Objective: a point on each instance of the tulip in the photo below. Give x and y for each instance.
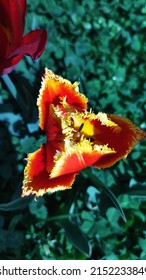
(14, 46)
(76, 138)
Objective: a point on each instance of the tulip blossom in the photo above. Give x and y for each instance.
(75, 138)
(13, 44)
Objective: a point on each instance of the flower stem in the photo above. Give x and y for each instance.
(10, 85)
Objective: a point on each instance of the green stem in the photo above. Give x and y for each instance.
(10, 85)
(62, 217)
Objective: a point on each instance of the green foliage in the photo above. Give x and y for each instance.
(102, 45)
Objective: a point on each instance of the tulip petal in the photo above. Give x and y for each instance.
(9, 65)
(36, 178)
(4, 45)
(54, 130)
(33, 44)
(17, 10)
(58, 91)
(13, 20)
(122, 138)
(78, 157)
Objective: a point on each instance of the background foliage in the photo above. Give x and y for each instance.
(102, 45)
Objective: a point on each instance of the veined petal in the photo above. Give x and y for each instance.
(4, 45)
(32, 44)
(58, 91)
(36, 178)
(77, 157)
(14, 45)
(122, 138)
(13, 20)
(17, 10)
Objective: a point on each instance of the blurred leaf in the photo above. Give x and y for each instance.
(17, 204)
(102, 228)
(92, 198)
(138, 191)
(10, 118)
(15, 220)
(142, 243)
(1, 221)
(128, 202)
(93, 177)
(37, 209)
(76, 237)
(10, 239)
(114, 200)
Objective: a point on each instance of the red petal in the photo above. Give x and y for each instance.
(12, 20)
(54, 130)
(17, 12)
(33, 45)
(54, 89)
(4, 45)
(9, 65)
(122, 139)
(12, 17)
(36, 178)
(42, 184)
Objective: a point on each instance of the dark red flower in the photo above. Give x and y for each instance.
(76, 138)
(13, 44)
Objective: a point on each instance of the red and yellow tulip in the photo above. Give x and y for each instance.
(76, 138)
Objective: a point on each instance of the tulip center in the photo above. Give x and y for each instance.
(77, 128)
(78, 134)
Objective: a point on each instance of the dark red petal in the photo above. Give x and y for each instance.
(5, 14)
(33, 44)
(17, 11)
(12, 18)
(9, 65)
(4, 45)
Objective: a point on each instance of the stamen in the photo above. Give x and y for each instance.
(81, 127)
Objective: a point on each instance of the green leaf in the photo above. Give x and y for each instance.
(77, 237)
(93, 177)
(10, 239)
(38, 209)
(142, 243)
(17, 204)
(139, 192)
(114, 200)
